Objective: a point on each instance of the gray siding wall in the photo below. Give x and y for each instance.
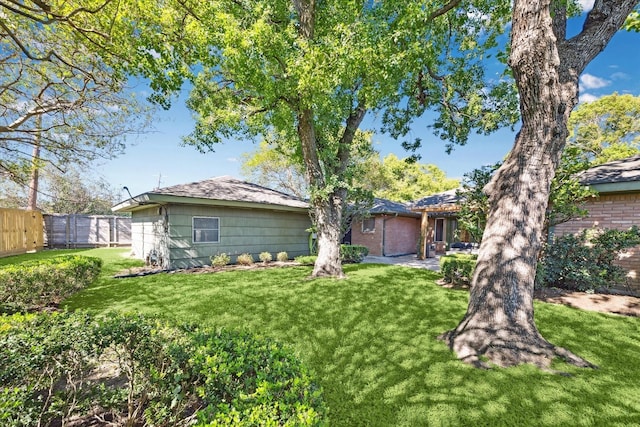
(148, 236)
(241, 230)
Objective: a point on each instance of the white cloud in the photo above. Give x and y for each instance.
(586, 5)
(586, 98)
(589, 81)
(620, 76)
(232, 159)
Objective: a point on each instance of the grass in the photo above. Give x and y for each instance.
(371, 340)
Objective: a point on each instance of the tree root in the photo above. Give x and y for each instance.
(486, 349)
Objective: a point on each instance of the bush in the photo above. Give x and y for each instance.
(458, 268)
(306, 259)
(353, 253)
(585, 261)
(34, 284)
(140, 371)
(265, 257)
(282, 256)
(220, 260)
(245, 259)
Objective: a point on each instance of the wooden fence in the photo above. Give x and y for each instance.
(21, 231)
(86, 231)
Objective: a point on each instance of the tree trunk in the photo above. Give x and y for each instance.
(32, 202)
(328, 219)
(499, 322)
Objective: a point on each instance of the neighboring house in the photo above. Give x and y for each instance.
(392, 229)
(617, 206)
(184, 225)
(439, 223)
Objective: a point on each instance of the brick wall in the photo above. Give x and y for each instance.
(401, 235)
(370, 239)
(615, 211)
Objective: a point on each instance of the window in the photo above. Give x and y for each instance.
(206, 229)
(369, 225)
(439, 230)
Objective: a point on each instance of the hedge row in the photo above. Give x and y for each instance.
(353, 253)
(132, 370)
(458, 268)
(34, 284)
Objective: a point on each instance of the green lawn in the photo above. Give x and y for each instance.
(371, 341)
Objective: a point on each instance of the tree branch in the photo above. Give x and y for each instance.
(602, 22)
(444, 9)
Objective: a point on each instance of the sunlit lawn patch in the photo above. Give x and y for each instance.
(371, 339)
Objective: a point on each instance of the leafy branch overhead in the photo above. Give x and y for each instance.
(57, 90)
(310, 72)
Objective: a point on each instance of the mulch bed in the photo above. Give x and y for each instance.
(626, 305)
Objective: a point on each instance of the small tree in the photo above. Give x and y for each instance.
(473, 202)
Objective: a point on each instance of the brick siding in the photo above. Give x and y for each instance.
(370, 239)
(401, 235)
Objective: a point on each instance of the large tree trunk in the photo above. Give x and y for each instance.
(499, 323)
(326, 208)
(328, 220)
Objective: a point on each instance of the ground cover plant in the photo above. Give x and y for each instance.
(371, 340)
(126, 369)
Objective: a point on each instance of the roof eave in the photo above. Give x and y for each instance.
(616, 187)
(154, 199)
(407, 214)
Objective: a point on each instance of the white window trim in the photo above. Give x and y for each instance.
(193, 228)
(368, 231)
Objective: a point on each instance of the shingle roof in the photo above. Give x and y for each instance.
(625, 170)
(384, 206)
(448, 197)
(231, 189)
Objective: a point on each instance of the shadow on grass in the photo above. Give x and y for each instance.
(371, 340)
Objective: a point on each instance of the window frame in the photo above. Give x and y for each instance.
(368, 230)
(193, 230)
(442, 230)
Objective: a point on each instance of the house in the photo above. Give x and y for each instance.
(439, 223)
(391, 229)
(617, 206)
(184, 225)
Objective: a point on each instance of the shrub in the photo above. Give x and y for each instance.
(458, 268)
(220, 260)
(245, 259)
(282, 256)
(142, 371)
(34, 284)
(306, 259)
(585, 261)
(353, 253)
(265, 257)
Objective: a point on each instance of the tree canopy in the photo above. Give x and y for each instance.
(404, 180)
(310, 71)
(57, 91)
(605, 129)
(71, 192)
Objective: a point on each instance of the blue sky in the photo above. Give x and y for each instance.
(158, 158)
